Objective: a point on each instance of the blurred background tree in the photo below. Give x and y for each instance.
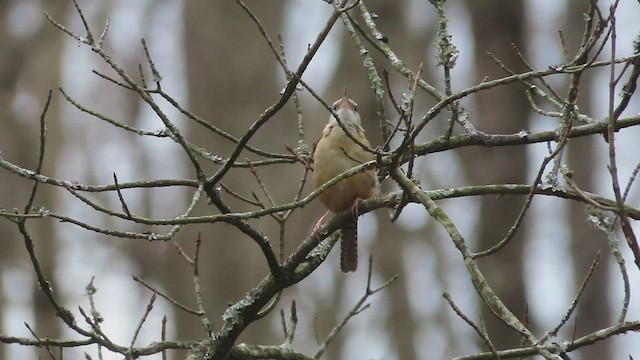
(214, 61)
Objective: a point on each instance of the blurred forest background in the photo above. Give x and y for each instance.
(214, 61)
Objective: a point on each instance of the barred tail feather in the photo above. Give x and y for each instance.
(349, 247)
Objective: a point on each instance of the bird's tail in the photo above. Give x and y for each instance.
(349, 247)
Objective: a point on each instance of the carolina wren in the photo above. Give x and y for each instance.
(336, 153)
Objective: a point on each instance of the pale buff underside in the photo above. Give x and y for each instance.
(331, 160)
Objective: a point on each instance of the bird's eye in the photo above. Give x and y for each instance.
(354, 105)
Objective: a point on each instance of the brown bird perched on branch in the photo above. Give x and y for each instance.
(335, 154)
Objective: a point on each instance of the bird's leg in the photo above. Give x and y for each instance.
(355, 206)
(316, 227)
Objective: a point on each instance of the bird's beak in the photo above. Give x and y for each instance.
(345, 103)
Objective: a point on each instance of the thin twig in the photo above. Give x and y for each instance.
(518, 222)
(183, 254)
(355, 310)
(587, 199)
(165, 296)
(564, 347)
(632, 178)
(125, 208)
(95, 315)
(163, 335)
(43, 142)
(46, 346)
(627, 229)
(479, 330)
(142, 320)
(202, 314)
(97, 330)
(374, 78)
(574, 303)
(262, 186)
(290, 330)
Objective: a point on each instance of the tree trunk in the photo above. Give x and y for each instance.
(30, 66)
(232, 77)
(496, 24)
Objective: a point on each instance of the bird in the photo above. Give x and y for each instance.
(336, 153)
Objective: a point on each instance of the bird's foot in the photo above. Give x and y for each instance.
(316, 228)
(355, 206)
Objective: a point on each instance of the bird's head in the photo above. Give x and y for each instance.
(347, 110)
